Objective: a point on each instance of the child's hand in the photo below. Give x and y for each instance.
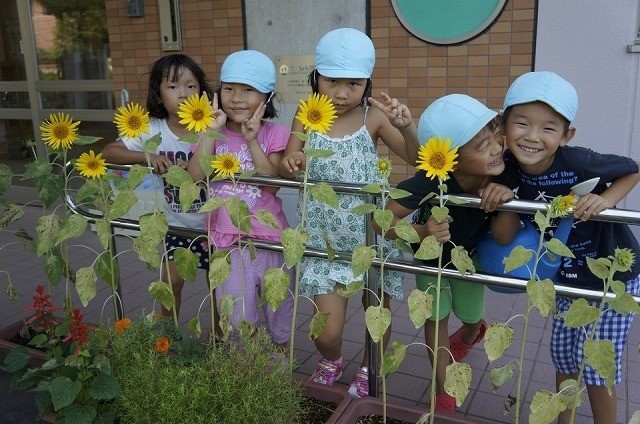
(160, 163)
(440, 230)
(398, 113)
(219, 117)
(589, 205)
(493, 195)
(296, 161)
(250, 127)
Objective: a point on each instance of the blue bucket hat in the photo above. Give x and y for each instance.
(345, 53)
(249, 67)
(457, 117)
(546, 87)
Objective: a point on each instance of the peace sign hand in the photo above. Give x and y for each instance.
(397, 113)
(219, 117)
(250, 127)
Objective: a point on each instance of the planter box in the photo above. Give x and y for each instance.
(410, 414)
(331, 394)
(38, 357)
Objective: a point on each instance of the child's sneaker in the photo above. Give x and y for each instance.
(359, 386)
(327, 372)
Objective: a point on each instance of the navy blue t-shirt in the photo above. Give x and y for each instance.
(469, 225)
(595, 239)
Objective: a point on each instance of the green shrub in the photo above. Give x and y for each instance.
(197, 383)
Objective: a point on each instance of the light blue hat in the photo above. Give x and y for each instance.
(249, 67)
(345, 53)
(457, 117)
(546, 87)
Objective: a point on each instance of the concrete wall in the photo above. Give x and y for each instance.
(586, 41)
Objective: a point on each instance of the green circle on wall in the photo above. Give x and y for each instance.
(447, 21)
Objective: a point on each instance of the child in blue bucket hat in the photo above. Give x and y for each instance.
(475, 130)
(344, 60)
(538, 110)
(245, 97)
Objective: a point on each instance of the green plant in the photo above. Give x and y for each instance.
(197, 383)
(75, 382)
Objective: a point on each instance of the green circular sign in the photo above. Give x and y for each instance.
(447, 21)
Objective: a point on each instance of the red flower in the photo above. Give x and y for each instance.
(79, 331)
(42, 319)
(122, 325)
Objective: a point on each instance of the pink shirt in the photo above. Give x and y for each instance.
(272, 137)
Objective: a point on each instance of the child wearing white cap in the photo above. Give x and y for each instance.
(474, 129)
(538, 110)
(248, 80)
(344, 60)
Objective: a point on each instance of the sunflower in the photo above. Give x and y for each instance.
(91, 166)
(59, 131)
(562, 205)
(132, 120)
(624, 259)
(383, 167)
(225, 165)
(317, 113)
(437, 158)
(196, 113)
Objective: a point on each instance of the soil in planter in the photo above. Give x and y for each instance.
(315, 411)
(375, 419)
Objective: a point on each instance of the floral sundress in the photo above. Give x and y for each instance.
(354, 161)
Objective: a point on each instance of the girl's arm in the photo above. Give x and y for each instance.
(395, 127)
(118, 153)
(250, 129)
(293, 159)
(592, 204)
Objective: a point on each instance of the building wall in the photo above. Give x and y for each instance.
(418, 72)
(586, 41)
(408, 68)
(211, 30)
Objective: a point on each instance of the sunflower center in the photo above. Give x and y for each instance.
(314, 116)
(437, 160)
(383, 165)
(61, 132)
(134, 122)
(197, 114)
(228, 164)
(93, 165)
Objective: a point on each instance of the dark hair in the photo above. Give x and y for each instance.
(169, 68)
(507, 112)
(269, 113)
(313, 82)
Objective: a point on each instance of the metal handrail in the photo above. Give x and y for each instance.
(519, 206)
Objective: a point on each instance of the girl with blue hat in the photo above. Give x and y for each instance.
(344, 60)
(248, 81)
(474, 129)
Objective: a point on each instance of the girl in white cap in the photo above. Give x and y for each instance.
(344, 60)
(248, 80)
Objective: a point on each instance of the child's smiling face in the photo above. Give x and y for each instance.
(534, 132)
(482, 155)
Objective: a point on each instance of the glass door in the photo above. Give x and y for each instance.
(54, 58)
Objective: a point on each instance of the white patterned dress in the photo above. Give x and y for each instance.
(354, 161)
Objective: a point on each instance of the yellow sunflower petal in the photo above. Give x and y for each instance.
(226, 165)
(317, 113)
(59, 131)
(437, 158)
(196, 113)
(91, 166)
(132, 120)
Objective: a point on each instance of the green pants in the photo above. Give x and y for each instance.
(464, 298)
